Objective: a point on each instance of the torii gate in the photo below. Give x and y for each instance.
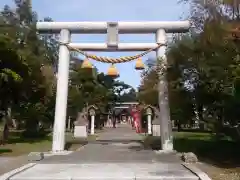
(112, 29)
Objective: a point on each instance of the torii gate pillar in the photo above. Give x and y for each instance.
(59, 127)
(165, 125)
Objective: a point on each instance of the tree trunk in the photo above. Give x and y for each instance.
(15, 124)
(178, 125)
(6, 120)
(32, 126)
(5, 133)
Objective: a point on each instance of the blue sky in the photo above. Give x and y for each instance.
(111, 10)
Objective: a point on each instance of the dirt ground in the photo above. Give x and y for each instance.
(217, 173)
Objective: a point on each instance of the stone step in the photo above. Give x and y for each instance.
(106, 171)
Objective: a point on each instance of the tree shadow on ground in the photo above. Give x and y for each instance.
(192, 130)
(114, 141)
(20, 136)
(76, 143)
(5, 150)
(135, 145)
(221, 153)
(30, 140)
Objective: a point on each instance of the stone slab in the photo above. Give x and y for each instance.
(156, 130)
(80, 132)
(109, 171)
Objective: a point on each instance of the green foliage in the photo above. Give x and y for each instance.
(220, 152)
(203, 74)
(26, 86)
(28, 66)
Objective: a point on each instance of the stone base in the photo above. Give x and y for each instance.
(189, 157)
(80, 132)
(59, 153)
(156, 130)
(35, 156)
(166, 152)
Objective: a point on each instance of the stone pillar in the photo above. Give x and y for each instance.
(156, 126)
(69, 123)
(62, 94)
(92, 124)
(92, 114)
(80, 128)
(149, 113)
(149, 122)
(166, 129)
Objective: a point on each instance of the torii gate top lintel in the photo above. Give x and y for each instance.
(113, 29)
(143, 27)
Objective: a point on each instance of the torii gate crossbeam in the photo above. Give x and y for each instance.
(112, 29)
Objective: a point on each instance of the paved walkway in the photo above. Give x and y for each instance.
(117, 154)
(11, 163)
(118, 145)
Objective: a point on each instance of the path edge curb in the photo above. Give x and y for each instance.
(80, 148)
(199, 173)
(8, 175)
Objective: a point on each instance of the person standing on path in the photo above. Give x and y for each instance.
(114, 121)
(109, 122)
(132, 123)
(136, 118)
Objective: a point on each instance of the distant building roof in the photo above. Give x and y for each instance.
(117, 112)
(126, 103)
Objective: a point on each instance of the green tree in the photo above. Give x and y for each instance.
(27, 80)
(203, 71)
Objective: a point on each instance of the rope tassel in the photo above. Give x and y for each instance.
(139, 64)
(86, 64)
(112, 71)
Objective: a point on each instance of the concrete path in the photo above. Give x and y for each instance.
(4, 160)
(117, 154)
(10, 163)
(120, 145)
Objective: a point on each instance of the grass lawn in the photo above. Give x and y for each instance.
(220, 152)
(17, 145)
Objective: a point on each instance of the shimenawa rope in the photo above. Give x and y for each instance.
(109, 59)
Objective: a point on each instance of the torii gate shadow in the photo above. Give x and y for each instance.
(136, 145)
